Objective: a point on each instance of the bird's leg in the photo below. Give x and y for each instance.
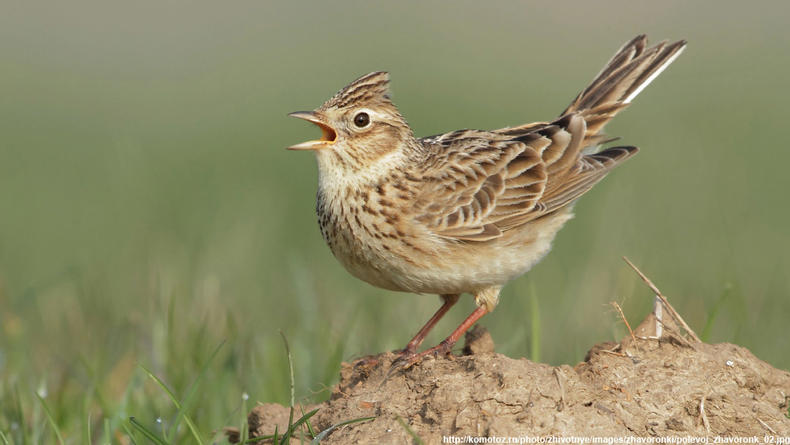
(411, 347)
(445, 346)
(486, 301)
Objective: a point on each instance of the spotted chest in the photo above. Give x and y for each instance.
(367, 230)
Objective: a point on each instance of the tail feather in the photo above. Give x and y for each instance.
(571, 164)
(629, 71)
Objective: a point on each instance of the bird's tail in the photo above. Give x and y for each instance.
(628, 72)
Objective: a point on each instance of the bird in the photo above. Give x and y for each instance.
(467, 211)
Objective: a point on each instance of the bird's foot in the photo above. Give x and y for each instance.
(408, 357)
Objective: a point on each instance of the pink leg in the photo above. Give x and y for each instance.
(411, 347)
(445, 346)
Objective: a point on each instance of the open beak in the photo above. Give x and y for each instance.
(328, 134)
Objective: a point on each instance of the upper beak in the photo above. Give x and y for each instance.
(328, 134)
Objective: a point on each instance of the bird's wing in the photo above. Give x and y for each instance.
(479, 184)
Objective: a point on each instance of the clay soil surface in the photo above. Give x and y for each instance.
(638, 387)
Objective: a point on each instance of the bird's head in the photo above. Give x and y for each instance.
(359, 124)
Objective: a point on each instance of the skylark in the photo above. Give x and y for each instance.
(469, 210)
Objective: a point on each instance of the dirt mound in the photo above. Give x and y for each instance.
(660, 384)
(639, 387)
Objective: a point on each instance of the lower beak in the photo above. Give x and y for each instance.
(328, 134)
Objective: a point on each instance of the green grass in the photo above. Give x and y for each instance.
(166, 428)
(149, 211)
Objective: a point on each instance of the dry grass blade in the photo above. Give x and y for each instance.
(768, 427)
(704, 416)
(625, 320)
(664, 300)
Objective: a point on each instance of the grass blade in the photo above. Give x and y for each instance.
(287, 438)
(19, 414)
(127, 431)
(108, 432)
(146, 432)
(257, 439)
(322, 435)
(304, 419)
(179, 407)
(86, 434)
(301, 420)
(5, 439)
(191, 395)
(50, 419)
(162, 385)
(307, 423)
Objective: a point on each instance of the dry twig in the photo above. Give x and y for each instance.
(766, 426)
(561, 403)
(664, 300)
(622, 315)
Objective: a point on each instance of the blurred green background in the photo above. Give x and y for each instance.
(149, 210)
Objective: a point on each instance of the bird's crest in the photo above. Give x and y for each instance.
(370, 88)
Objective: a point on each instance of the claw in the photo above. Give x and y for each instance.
(410, 358)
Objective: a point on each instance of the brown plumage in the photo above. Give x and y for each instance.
(469, 210)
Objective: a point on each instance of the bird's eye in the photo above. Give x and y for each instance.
(361, 120)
